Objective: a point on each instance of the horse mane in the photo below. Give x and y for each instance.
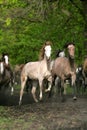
(19, 67)
(41, 54)
(69, 43)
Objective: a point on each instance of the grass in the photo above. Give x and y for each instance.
(12, 118)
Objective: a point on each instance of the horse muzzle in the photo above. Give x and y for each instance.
(72, 57)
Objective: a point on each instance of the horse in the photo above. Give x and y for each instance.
(17, 72)
(85, 71)
(60, 53)
(6, 76)
(80, 79)
(37, 70)
(64, 68)
(57, 83)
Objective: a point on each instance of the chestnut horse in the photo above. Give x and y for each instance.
(38, 70)
(64, 68)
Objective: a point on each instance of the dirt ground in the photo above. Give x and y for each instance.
(51, 114)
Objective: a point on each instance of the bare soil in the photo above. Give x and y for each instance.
(51, 114)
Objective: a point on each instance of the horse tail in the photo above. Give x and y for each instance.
(21, 66)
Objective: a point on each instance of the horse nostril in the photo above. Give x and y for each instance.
(48, 57)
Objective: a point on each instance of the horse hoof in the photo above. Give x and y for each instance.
(63, 100)
(41, 101)
(47, 90)
(12, 93)
(74, 98)
(20, 103)
(36, 101)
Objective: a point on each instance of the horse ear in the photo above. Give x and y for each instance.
(72, 43)
(6, 54)
(3, 54)
(67, 44)
(48, 43)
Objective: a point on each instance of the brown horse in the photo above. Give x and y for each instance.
(85, 67)
(17, 72)
(85, 71)
(6, 77)
(38, 70)
(64, 68)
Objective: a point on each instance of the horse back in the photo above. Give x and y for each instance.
(61, 66)
(5, 78)
(34, 69)
(85, 65)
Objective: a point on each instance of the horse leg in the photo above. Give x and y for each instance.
(49, 84)
(77, 85)
(23, 82)
(12, 86)
(83, 87)
(49, 87)
(41, 87)
(12, 90)
(52, 85)
(65, 87)
(73, 78)
(59, 85)
(33, 91)
(62, 90)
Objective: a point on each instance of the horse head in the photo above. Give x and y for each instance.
(62, 54)
(6, 59)
(45, 51)
(79, 70)
(1, 67)
(71, 50)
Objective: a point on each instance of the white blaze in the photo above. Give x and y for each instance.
(6, 59)
(48, 51)
(1, 67)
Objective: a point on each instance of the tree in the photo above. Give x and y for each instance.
(25, 25)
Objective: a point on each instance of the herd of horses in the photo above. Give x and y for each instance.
(59, 70)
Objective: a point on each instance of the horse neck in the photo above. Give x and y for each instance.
(72, 63)
(47, 61)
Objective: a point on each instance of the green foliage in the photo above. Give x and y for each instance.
(26, 25)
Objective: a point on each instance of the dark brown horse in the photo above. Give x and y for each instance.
(6, 76)
(38, 70)
(64, 68)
